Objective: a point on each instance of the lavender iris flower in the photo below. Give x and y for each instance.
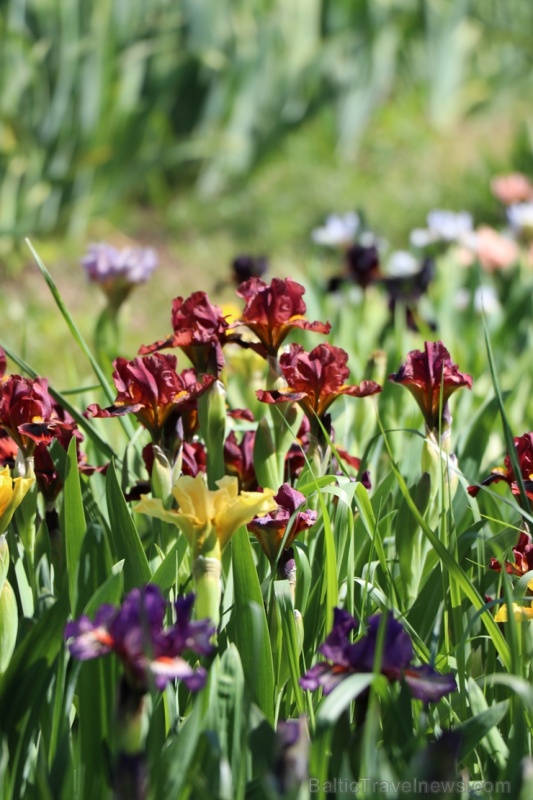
(130, 264)
(397, 654)
(150, 653)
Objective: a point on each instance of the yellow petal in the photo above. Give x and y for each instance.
(520, 613)
(12, 492)
(153, 507)
(194, 497)
(242, 510)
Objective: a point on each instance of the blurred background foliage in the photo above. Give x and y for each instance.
(210, 127)
(103, 101)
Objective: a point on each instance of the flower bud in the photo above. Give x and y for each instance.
(161, 477)
(212, 416)
(8, 625)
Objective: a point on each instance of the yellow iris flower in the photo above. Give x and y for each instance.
(12, 491)
(209, 517)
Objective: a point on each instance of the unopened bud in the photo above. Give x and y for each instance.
(161, 477)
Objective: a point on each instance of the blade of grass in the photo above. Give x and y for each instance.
(455, 569)
(78, 338)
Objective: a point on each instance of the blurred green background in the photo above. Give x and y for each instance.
(206, 128)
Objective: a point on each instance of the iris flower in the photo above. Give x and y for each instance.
(524, 453)
(208, 518)
(425, 374)
(272, 311)
(135, 632)
(152, 390)
(396, 659)
(316, 379)
(200, 331)
(28, 413)
(270, 530)
(117, 271)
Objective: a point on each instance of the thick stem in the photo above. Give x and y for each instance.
(207, 571)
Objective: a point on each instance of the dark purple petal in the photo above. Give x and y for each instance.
(325, 675)
(337, 642)
(397, 647)
(428, 685)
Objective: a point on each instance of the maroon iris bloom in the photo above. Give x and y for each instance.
(315, 379)
(425, 374)
(28, 413)
(271, 312)
(295, 458)
(524, 453)
(523, 557)
(271, 529)
(149, 652)
(200, 331)
(349, 658)
(239, 459)
(152, 390)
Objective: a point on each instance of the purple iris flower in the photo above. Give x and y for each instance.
(130, 264)
(397, 654)
(150, 653)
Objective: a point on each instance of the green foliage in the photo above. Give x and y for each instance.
(416, 544)
(100, 102)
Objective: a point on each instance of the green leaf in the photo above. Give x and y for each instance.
(24, 685)
(290, 646)
(166, 575)
(126, 540)
(340, 698)
(482, 727)
(251, 627)
(73, 523)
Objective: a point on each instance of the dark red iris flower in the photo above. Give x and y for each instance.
(295, 458)
(200, 331)
(48, 479)
(8, 449)
(426, 373)
(316, 379)
(524, 453)
(270, 530)
(396, 659)
(272, 311)
(152, 390)
(523, 557)
(28, 412)
(149, 652)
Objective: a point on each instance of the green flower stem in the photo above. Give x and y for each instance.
(107, 336)
(130, 778)
(207, 571)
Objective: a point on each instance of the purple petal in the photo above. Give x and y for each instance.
(337, 643)
(86, 640)
(428, 685)
(168, 669)
(323, 674)
(397, 647)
